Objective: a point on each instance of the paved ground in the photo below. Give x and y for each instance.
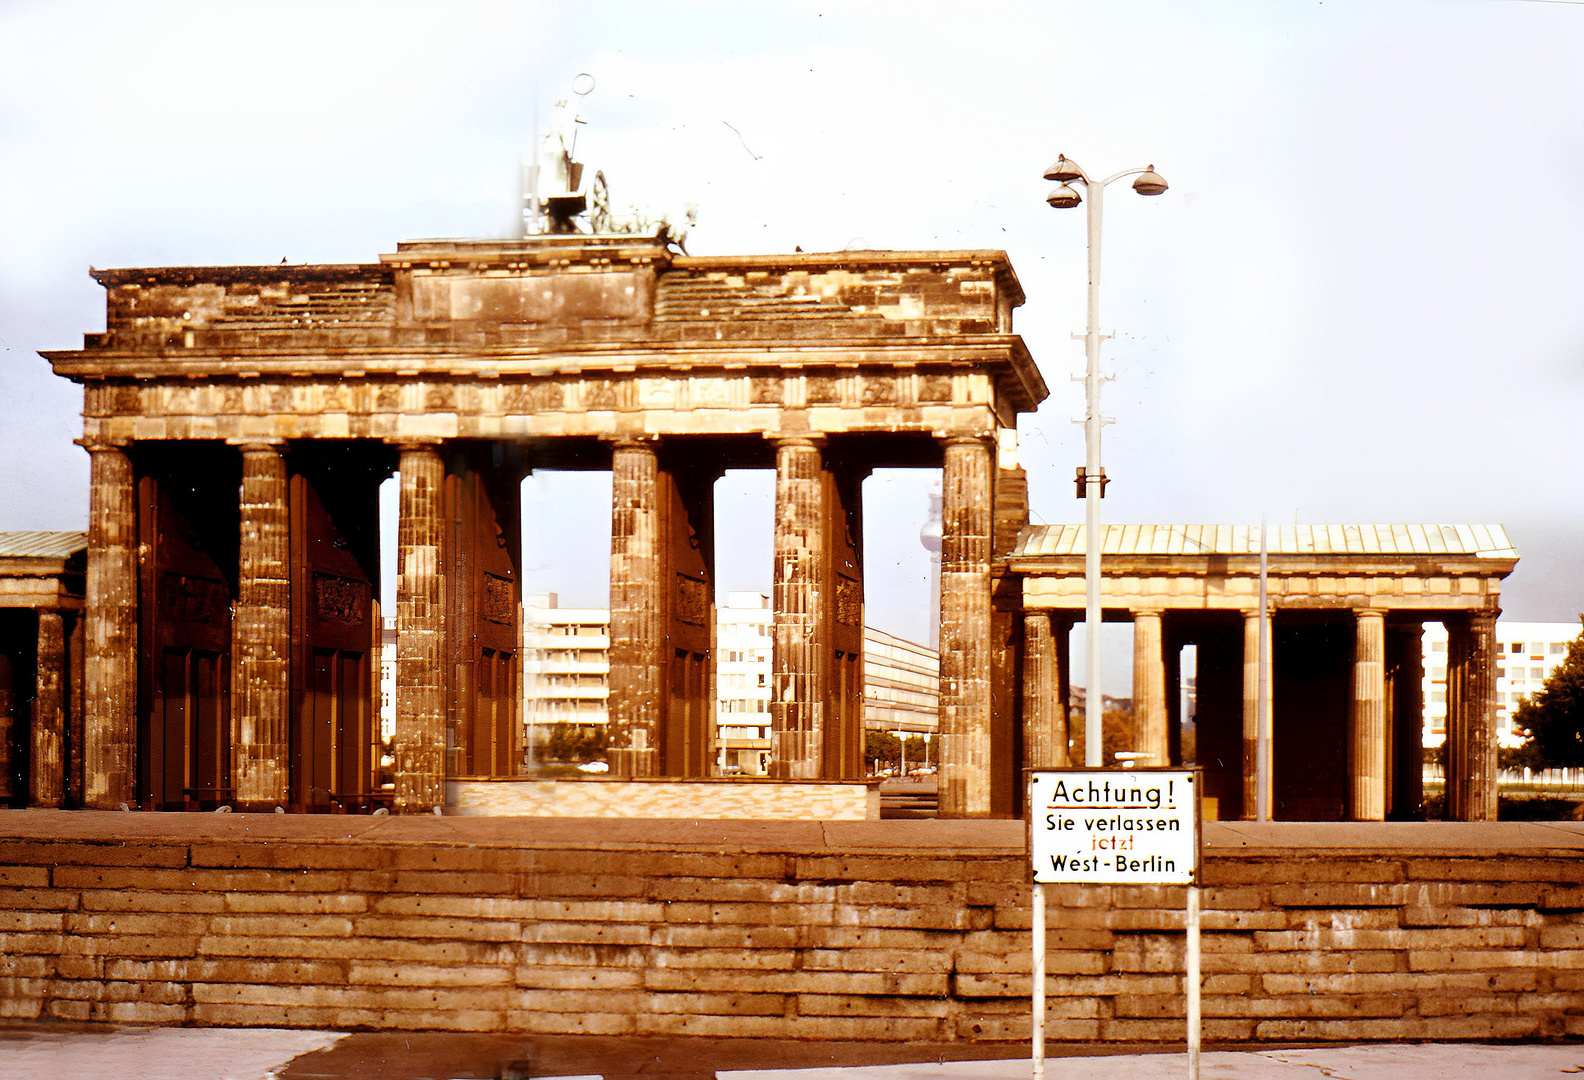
(30, 1053)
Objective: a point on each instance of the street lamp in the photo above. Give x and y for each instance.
(1092, 478)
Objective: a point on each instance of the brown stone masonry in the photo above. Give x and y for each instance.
(262, 646)
(967, 500)
(420, 616)
(637, 650)
(894, 930)
(110, 663)
(47, 775)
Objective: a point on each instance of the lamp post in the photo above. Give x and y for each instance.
(1092, 478)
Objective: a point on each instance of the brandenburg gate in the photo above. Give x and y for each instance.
(240, 420)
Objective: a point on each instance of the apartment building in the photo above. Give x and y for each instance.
(566, 672)
(566, 667)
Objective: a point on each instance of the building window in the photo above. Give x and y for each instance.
(1438, 646)
(1438, 697)
(1558, 648)
(1517, 646)
(1537, 673)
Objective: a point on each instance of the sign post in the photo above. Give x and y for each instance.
(1114, 827)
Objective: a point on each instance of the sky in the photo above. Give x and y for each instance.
(1360, 300)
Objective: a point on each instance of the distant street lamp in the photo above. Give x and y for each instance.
(1092, 478)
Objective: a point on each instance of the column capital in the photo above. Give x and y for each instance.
(1146, 612)
(988, 442)
(813, 442)
(632, 442)
(1369, 613)
(404, 445)
(97, 446)
(258, 446)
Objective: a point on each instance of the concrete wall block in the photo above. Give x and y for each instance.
(1297, 871)
(22, 853)
(138, 900)
(423, 926)
(1423, 916)
(1340, 894)
(758, 937)
(1490, 959)
(905, 960)
(375, 973)
(570, 1023)
(587, 933)
(37, 877)
(1504, 868)
(730, 960)
(554, 977)
(741, 891)
(1303, 962)
(481, 883)
(872, 1005)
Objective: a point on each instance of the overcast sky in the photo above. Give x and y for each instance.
(1361, 300)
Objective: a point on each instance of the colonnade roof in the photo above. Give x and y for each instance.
(41, 545)
(1476, 541)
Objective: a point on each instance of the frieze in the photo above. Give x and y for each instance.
(934, 388)
(340, 600)
(692, 600)
(500, 600)
(849, 601)
(185, 598)
(824, 390)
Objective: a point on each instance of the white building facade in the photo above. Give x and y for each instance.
(566, 668)
(742, 684)
(566, 673)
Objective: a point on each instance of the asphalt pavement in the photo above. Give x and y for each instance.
(66, 1053)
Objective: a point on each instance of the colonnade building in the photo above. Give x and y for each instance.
(1347, 606)
(240, 419)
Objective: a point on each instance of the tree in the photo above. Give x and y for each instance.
(1116, 733)
(1552, 720)
(574, 743)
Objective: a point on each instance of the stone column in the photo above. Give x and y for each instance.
(1367, 720)
(1044, 719)
(261, 633)
(1250, 712)
(48, 770)
(800, 655)
(74, 713)
(111, 621)
(967, 502)
(7, 720)
(1409, 725)
(1251, 676)
(1149, 689)
(420, 741)
(1471, 758)
(638, 612)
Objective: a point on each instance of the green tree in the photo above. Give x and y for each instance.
(881, 748)
(1552, 720)
(575, 743)
(1116, 733)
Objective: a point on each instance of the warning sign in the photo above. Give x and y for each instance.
(1115, 826)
